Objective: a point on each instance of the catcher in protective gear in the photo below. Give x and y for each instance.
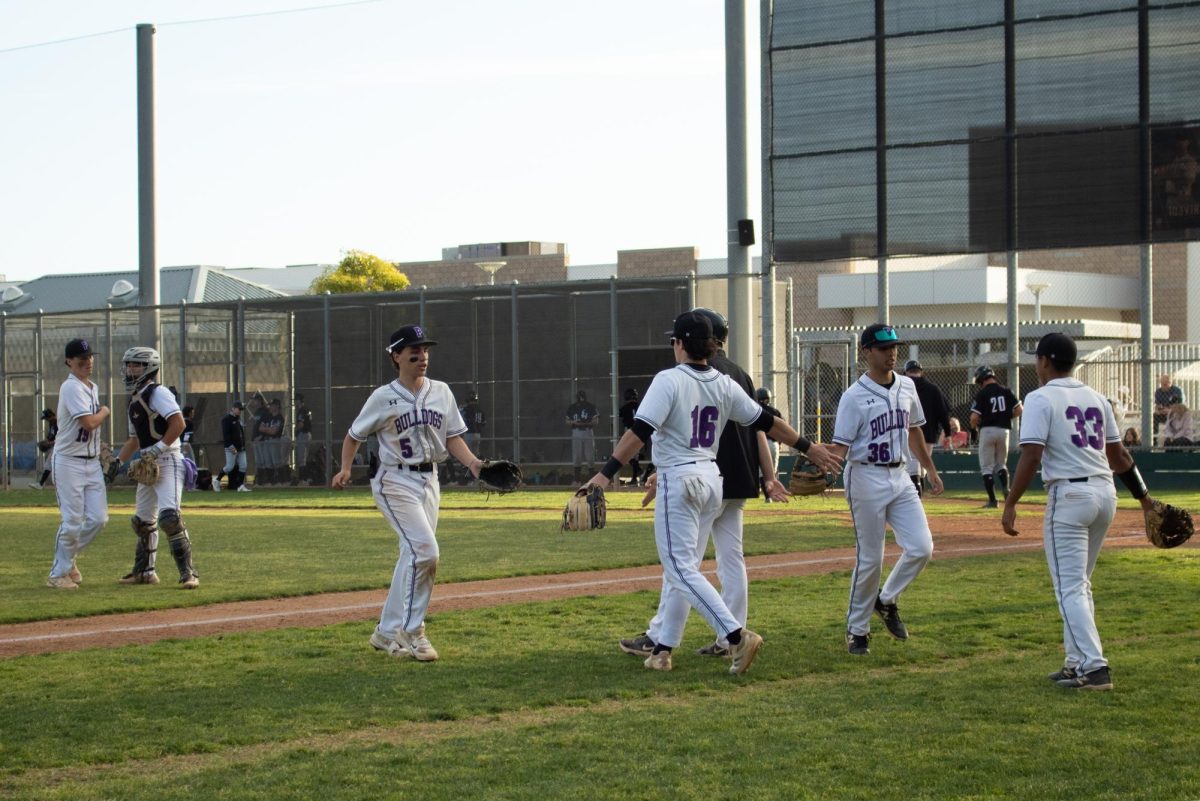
(586, 510)
(500, 476)
(808, 479)
(1168, 526)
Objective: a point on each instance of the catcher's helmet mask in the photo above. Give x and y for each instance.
(148, 358)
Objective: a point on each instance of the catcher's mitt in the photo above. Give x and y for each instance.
(1167, 525)
(144, 470)
(809, 480)
(500, 476)
(586, 510)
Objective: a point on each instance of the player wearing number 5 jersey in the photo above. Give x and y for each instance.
(685, 409)
(1069, 430)
(417, 423)
(78, 479)
(878, 428)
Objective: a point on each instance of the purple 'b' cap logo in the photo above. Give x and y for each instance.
(418, 331)
(83, 343)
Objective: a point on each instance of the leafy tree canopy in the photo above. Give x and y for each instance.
(359, 271)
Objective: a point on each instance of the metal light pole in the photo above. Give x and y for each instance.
(1037, 288)
(491, 268)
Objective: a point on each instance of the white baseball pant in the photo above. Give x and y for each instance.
(731, 573)
(689, 500)
(83, 504)
(1075, 524)
(166, 494)
(409, 502)
(879, 496)
(993, 449)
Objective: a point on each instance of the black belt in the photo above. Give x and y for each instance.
(77, 456)
(697, 461)
(883, 464)
(423, 467)
(1079, 480)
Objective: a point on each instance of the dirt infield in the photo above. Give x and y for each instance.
(954, 537)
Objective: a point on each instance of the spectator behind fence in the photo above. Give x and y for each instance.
(304, 426)
(957, 439)
(1166, 396)
(1131, 438)
(1177, 431)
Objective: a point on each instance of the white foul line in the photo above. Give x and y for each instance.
(1016, 546)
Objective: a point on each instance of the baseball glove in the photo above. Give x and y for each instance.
(500, 476)
(44, 445)
(144, 470)
(1167, 525)
(586, 510)
(809, 480)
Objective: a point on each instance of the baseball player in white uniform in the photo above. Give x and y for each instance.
(417, 423)
(78, 479)
(1069, 430)
(878, 429)
(685, 410)
(155, 425)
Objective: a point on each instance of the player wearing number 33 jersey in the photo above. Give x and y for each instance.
(878, 425)
(417, 422)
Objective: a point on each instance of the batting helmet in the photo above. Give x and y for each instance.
(912, 365)
(720, 325)
(762, 395)
(150, 361)
(983, 373)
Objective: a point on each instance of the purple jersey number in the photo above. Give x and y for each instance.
(1089, 427)
(704, 426)
(879, 452)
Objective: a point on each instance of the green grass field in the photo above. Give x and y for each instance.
(535, 701)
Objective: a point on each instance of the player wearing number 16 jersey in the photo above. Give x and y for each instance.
(878, 427)
(417, 423)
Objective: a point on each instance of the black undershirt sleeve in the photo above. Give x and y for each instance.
(642, 429)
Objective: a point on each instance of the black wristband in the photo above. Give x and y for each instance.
(611, 468)
(1132, 479)
(802, 445)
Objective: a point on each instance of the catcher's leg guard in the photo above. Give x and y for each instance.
(181, 544)
(147, 546)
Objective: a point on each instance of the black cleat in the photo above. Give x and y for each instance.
(1067, 672)
(640, 645)
(1098, 679)
(990, 505)
(891, 618)
(858, 644)
(713, 649)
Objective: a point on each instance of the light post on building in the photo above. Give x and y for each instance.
(1037, 288)
(491, 268)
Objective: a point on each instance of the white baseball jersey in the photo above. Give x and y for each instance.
(1074, 422)
(411, 429)
(76, 399)
(688, 409)
(873, 420)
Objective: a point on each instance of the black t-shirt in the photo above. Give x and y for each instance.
(473, 417)
(582, 412)
(51, 431)
(303, 420)
(273, 421)
(189, 429)
(737, 450)
(994, 404)
(935, 406)
(627, 412)
(233, 432)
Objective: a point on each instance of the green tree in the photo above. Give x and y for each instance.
(359, 271)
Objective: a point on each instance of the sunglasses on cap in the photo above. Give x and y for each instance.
(886, 335)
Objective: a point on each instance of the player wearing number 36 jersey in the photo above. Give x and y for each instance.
(417, 423)
(878, 426)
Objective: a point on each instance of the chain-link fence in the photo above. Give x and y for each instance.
(527, 351)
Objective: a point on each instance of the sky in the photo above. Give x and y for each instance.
(392, 126)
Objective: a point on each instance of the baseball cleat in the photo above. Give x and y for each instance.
(713, 649)
(74, 575)
(858, 644)
(1067, 672)
(891, 618)
(35, 485)
(1098, 679)
(990, 505)
(659, 661)
(640, 645)
(243, 488)
(188, 582)
(381, 643)
(149, 577)
(417, 645)
(744, 652)
(61, 583)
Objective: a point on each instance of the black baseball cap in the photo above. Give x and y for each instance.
(275, 402)
(1058, 348)
(879, 335)
(692, 326)
(406, 336)
(47, 414)
(912, 364)
(77, 348)
(239, 405)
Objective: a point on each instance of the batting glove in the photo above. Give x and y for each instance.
(153, 451)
